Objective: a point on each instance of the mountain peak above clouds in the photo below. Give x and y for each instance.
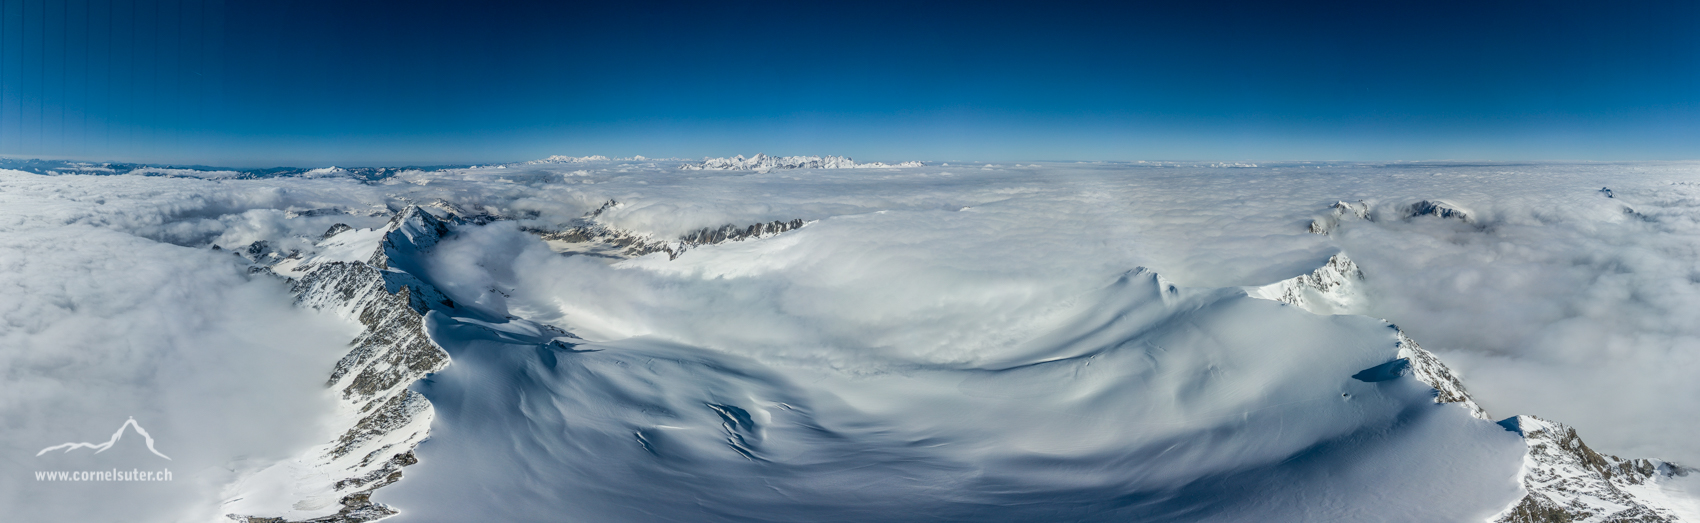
(763, 163)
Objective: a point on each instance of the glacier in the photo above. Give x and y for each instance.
(586, 338)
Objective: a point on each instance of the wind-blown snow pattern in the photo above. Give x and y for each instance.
(597, 339)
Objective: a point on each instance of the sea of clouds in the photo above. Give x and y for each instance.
(1553, 300)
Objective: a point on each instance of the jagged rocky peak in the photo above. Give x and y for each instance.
(599, 239)
(764, 163)
(474, 213)
(448, 207)
(1340, 210)
(1330, 289)
(1343, 211)
(1567, 481)
(1343, 208)
(732, 233)
(609, 205)
(1436, 208)
(412, 229)
(262, 253)
(334, 230)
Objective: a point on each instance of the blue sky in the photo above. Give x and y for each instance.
(309, 83)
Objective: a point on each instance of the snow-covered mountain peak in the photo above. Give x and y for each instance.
(1165, 290)
(1334, 289)
(573, 159)
(1330, 289)
(409, 231)
(1568, 481)
(1562, 478)
(1340, 210)
(325, 172)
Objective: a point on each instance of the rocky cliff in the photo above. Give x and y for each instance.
(381, 420)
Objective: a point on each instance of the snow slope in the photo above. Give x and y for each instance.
(952, 342)
(1253, 402)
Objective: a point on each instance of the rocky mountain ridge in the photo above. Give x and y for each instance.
(384, 420)
(1360, 210)
(628, 244)
(1567, 481)
(1564, 480)
(763, 163)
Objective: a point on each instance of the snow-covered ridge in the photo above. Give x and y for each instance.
(764, 163)
(576, 159)
(1342, 211)
(1334, 289)
(1564, 480)
(383, 421)
(1428, 369)
(1331, 289)
(1567, 481)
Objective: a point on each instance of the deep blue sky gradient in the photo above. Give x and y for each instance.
(288, 82)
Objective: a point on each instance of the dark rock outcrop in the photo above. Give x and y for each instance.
(630, 244)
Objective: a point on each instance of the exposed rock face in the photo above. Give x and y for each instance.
(763, 163)
(629, 244)
(335, 228)
(1567, 481)
(384, 420)
(732, 233)
(1435, 208)
(262, 253)
(1342, 211)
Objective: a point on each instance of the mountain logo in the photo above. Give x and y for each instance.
(109, 443)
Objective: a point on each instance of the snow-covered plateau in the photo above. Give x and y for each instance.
(815, 339)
